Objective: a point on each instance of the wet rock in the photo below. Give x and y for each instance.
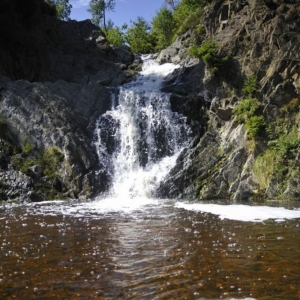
(167, 55)
(244, 191)
(292, 190)
(58, 114)
(175, 53)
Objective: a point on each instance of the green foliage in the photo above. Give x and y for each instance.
(98, 9)
(23, 163)
(49, 161)
(192, 20)
(278, 161)
(199, 30)
(162, 28)
(247, 112)
(63, 8)
(188, 13)
(292, 106)
(250, 86)
(264, 167)
(287, 143)
(254, 126)
(115, 36)
(172, 3)
(208, 52)
(246, 109)
(27, 148)
(185, 8)
(139, 38)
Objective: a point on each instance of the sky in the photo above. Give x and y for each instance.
(125, 10)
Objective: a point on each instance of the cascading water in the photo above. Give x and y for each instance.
(139, 139)
(127, 246)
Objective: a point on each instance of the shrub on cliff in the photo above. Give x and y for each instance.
(254, 126)
(246, 109)
(278, 162)
(208, 52)
(250, 86)
(183, 12)
(247, 112)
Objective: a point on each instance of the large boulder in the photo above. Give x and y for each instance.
(61, 115)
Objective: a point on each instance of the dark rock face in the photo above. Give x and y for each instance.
(61, 114)
(54, 85)
(35, 46)
(261, 40)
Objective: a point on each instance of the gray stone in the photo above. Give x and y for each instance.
(167, 55)
(244, 192)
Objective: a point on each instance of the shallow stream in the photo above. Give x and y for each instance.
(146, 249)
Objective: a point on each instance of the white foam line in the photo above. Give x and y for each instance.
(243, 213)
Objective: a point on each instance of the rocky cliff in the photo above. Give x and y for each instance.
(56, 79)
(245, 112)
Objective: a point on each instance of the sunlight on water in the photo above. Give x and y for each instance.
(244, 213)
(143, 249)
(139, 139)
(96, 209)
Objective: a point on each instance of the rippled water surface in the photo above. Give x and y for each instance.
(157, 250)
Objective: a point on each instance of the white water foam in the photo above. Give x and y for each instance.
(243, 213)
(147, 136)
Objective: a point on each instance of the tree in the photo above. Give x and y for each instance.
(98, 9)
(63, 8)
(173, 3)
(162, 28)
(115, 36)
(139, 38)
(188, 14)
(110, 25)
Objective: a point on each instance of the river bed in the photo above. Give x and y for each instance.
(147, 249)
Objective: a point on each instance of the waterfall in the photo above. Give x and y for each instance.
(139, 139)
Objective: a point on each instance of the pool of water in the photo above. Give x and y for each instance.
(150, 250)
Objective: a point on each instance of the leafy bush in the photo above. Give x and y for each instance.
(192, 20)
(139, 38)
(264, 167)
(254, 126)
(184, 10)
(49, 161)
(115, 36)
(27, 148)
(287, 143)
(246, 109)
(250, 86)
(292, 106)
(208, 52)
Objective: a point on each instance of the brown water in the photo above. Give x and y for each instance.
(152, 252)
